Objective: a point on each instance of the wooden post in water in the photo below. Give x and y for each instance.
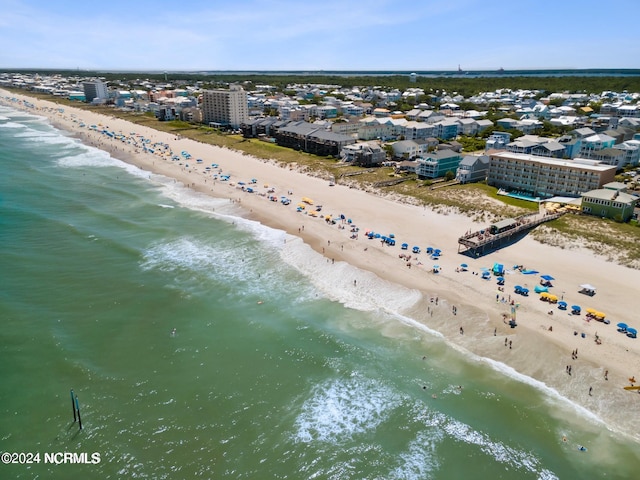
(78, 410)
(73, 406)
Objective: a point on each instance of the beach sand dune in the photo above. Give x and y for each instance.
(470, 311)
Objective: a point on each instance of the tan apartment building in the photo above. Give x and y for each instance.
(546, 177)
(228, 108)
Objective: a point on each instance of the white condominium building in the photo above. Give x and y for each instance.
(225, 107)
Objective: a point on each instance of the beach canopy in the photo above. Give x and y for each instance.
(587, 286)
(548, 278)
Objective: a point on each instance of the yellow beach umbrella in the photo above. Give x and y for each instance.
(599, 315)
(591, 310)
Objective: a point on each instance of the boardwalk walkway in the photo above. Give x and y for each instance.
(480, 242)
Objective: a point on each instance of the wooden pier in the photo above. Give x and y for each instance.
(478, 243)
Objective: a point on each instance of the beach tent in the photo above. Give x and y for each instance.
(588, 289)
(540, 289)
(498, 269)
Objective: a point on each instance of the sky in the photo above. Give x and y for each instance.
(408, 35)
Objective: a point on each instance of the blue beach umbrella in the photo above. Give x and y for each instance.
(464, 265)
(632, 332)
(576, 308)
(622, 326)
(547, 277)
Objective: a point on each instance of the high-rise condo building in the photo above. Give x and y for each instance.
(225, 107)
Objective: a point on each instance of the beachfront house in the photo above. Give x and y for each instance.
(611, 201)
(364, 154)
(437, 164)
(473, 168)
(410, 149)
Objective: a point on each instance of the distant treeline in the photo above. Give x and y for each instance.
(583, 81)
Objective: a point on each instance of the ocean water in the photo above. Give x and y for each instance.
(203, 345)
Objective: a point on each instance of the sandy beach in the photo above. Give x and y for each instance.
(466, 309)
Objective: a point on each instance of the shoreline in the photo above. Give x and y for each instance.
(475, 299)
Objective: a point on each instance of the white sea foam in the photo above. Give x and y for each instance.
(550, 393)
(421, 458)
(11, 125)
(341, 409)
(88, 158)
(505, 454)
(336, 281)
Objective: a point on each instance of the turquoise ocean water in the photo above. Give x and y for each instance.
(275, 369)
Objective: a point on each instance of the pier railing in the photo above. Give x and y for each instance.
(480, 240)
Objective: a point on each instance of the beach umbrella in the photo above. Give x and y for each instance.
(599, 315)
(632, 332)
(576, 308)
(464, 265)
(436, 267)
(590, 310)
(547, 277)
(622, 326)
